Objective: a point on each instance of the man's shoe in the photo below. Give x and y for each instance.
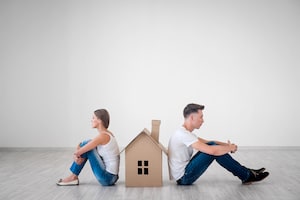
(255, 177)
(70, 183)
(261, 170)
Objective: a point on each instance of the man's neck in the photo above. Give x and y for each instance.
(188, 126)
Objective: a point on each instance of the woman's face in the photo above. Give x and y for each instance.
(95, 121)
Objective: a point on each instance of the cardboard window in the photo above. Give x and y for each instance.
(146, 163)
(140, 171)
(143, 168)
(146, 171)
(140, 163)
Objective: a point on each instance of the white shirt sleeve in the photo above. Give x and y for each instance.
(189, 139)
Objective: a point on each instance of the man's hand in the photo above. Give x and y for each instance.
(232, 147)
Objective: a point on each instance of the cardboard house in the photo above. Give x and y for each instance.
(143, 159)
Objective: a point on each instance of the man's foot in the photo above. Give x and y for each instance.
(255, 177)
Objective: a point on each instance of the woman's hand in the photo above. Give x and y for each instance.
(79, 160)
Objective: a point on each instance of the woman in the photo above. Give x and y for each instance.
(102, 153)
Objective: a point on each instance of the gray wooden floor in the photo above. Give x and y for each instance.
(32, 174)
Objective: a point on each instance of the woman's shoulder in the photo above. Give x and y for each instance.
(102, 138)
(108, 133)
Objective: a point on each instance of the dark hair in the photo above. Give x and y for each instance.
(192, 108)
(103, 115)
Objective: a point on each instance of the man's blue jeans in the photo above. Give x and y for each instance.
(201, 161)
(98, 167)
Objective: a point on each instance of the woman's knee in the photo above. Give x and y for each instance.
(84, 143)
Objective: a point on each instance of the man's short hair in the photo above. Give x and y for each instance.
(192, 108)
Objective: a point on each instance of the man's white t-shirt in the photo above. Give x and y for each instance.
(180, 151)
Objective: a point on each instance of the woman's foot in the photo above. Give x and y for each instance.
(68, 181)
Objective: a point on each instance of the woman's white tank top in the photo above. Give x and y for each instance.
(111, 155)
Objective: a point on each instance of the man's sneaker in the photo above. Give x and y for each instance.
(255, 177)
(258, 170)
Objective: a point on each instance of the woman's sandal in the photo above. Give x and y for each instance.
(70, 183)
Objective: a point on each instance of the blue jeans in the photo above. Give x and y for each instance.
(98, 167)
(201, 161)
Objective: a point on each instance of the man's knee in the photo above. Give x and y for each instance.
(211, 143)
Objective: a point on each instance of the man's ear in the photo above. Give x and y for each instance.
(191, 116)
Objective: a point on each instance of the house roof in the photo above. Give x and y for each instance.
(148, 135)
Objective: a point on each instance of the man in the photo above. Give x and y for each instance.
(186, 168)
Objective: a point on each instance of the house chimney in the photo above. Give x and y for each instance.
(155, 130)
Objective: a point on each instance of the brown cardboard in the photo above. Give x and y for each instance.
(143, 159)
(155, 130)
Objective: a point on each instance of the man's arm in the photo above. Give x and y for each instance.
(216, 150)
(217, 142)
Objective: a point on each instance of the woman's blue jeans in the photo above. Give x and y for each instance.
(98, 167)
(201, 161)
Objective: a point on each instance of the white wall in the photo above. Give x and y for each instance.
(143, 60)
